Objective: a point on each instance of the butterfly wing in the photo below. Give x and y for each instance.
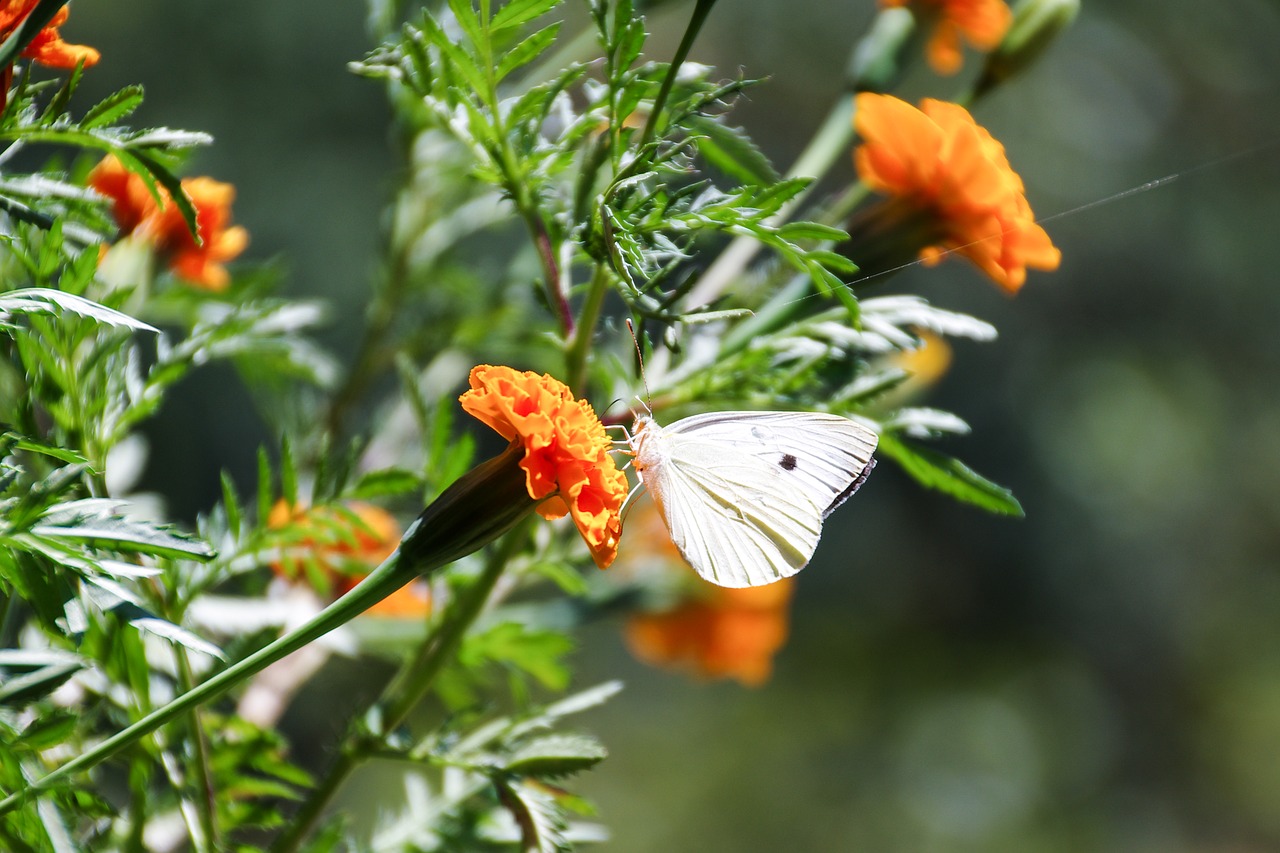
(736, 519)
(825, 455)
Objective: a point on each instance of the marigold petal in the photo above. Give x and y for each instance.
(567, 460)
(960, 177)
(981, 23)
(48, 48)
(729, 633)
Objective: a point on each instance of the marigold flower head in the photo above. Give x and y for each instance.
(943, 166)
(137, 212)
(345, 545)
(725, 633)
(360, 534)
(47, 48)
(566, 460)
(981, 23)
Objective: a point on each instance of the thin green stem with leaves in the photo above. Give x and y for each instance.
(405, 691)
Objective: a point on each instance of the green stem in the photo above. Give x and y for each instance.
(206, 802)
(580, 346)
(699, 17)
(406, 690)
(483, 504)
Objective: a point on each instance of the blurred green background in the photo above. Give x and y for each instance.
(1103, 675)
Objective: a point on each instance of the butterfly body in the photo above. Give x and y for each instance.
(744, 494)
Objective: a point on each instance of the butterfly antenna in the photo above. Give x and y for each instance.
(648, 397)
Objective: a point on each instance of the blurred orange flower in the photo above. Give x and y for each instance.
(982, 23)
(566, 451)
(724, 633)
(946, 169)
(47, 48)
(161, 224)
(345, 548)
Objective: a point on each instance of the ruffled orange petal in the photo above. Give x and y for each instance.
(48, 48)
(940, 162)
(161, 223)
(131, 203)
(566, 460)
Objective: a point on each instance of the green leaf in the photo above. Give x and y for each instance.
(556, 755)
(43, 300)
(171, 183)
(50, 730)
(61, 453)
(527, 50)
(388, 481)
(520, 12)
(176, 634)
(95, 522)
(40, 672)
(112, 108)
(730, 150)
(537, 814)
(950, 476)
(538, 653)
(795, 231)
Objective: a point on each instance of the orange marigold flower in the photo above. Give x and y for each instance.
(982, 23)
(137, 212)
(566, 451)
(47, 48)
(364, 534)
(728, 633)
(938, 162)
(344, 548)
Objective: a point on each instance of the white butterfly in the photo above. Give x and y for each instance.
(744, 494)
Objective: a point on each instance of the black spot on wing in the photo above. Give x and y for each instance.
(788, 462)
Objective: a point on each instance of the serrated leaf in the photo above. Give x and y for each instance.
(176, 634)
(96, 522)
(950, 476)
(538, 653)
(170, 182)
(731, 151)
(43, 300)
(21, 690)
(112, 108)
(794, 231)
(536, 812)
(520, 12)
(388, 481)
(63, 454)
(50, 730)
(527, 50)
(556, 755)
